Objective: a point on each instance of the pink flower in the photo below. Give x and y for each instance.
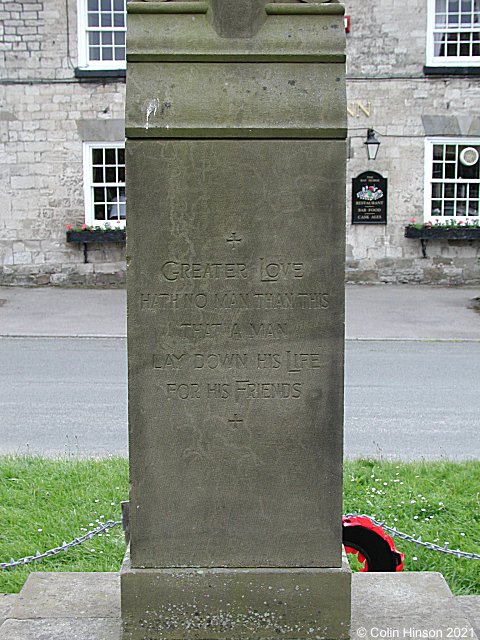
(413, 220)
(84, 226)
(69, 226)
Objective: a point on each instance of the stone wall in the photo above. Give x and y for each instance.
(46, 113)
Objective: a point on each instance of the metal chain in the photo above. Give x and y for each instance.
(114, 523)
(56, 550)
(418, 541)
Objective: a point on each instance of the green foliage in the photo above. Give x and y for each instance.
(439, 501)
(44, 502)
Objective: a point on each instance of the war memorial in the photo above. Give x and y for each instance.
(236, 159)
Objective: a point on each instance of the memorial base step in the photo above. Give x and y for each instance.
(86, 606)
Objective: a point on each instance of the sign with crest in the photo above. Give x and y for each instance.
(369, 198)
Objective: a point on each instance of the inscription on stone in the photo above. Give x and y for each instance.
(265, 270)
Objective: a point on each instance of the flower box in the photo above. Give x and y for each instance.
(445, 233)
(89, 236)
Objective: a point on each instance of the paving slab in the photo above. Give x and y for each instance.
(471, 607)
(68, 595)
(411, 312)
(56, 312)
(405, 605)
(62, 629)
(380, 312)
(6, 603)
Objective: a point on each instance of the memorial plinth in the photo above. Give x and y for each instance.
(236, 228)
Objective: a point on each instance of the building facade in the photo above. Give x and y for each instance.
(413, 78)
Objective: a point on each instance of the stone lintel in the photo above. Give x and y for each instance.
(95, 130)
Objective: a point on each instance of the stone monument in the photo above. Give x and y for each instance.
(236, 158)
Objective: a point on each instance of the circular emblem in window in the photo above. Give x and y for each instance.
(469, 156)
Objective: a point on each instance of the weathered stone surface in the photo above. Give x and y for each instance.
(236, 321)
(93, 129)
(62, 629)
(6, 603)
(236, 326)
(471, 607)
(405, 605)
(68, 595)
(211, 604)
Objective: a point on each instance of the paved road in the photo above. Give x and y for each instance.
(403, 399)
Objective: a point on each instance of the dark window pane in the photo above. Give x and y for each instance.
(107, 53)
(93, 19)
(462, 190)
(92, 5)
(98, 174)
(473, 190)
(111, 194)
(119, 5)
(110, 174)
(438, 151)
(118, 20)
(450, 170)
(99, 212)
(99, 194)
(94, 38)
(436, 190)
(450, 152)
(473, 208)
(106, 5)
(110, 157)
(107, 38)
(437, 170)
(121, 174)
(106, 19)
(461, 208)
(120, 38)
(449, 191)
(119, 53)
(437, 208)
(97, 156)
(121, 156)
(449, 208)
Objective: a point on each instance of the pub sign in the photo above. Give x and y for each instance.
(369, 198)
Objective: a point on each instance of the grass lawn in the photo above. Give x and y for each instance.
(44, 502)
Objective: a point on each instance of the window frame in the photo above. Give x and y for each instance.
(429, 179)
(88, 185)
(445, 61)
(84, 63)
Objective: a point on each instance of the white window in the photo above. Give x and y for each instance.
(104, 184)
(453, 33)
(452, 180)
(101, 34)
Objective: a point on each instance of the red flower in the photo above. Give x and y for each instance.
(413, 220)
(69, 226)
(84, 226)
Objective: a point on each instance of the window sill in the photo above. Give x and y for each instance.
(100, 74)
(100, 235)
(452, 71)
(88, 237)
(443, 234)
